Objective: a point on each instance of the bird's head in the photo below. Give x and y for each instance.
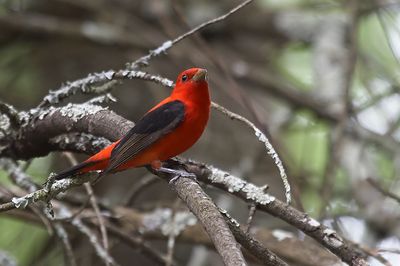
(191, 82)
(192, 75)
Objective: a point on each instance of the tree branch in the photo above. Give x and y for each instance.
(205, 210)
(54, 122)
(143, 61)
(151, 226)
(251, 244)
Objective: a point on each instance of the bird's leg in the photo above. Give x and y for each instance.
(157, 165)
(181, 173)
(177, 174)
(99, 176)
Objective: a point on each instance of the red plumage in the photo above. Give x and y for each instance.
(167, 130)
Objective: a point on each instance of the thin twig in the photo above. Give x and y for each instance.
(62, 234)
(96, 209)
(94, 204)
(24, 181)
(86, 85)
(43, 194)
(371, 252)
(382, 190)
(252, 212)
(172, 236)
(144, 60)
(337, 141)
(255, 247)
(92, 79)
(101, 252)
(151, 252)
(17, 175)
(170, 249)
(139, 187)
(261, 137)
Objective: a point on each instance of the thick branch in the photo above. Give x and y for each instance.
(211, 219)
(247, 241)
(265, 202)
(151, 226)
(44, 125)
(55, 122)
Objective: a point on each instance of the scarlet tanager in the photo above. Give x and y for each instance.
(168, 129)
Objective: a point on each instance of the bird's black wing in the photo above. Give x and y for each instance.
(147, 130)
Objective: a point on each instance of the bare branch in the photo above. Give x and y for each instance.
(144, 61)
(42, 129)
(209, 216)
(19, 177)
(155, 225)
(94, 204)
(261, 137)
(44, 194)
(382, 190)
(254, 246)
(100, 251)
(88, 84)
(139, 187)
(71, 89)
(62, 234)
(265, 202)
(137, 243)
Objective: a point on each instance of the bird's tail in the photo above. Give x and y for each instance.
(82, 167)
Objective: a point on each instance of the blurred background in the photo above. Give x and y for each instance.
(320, 77)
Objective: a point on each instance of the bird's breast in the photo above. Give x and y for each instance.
(188, 132)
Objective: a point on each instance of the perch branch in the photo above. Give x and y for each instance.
(213, 222)
(55, 123)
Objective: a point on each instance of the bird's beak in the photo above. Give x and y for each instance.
(200, 75)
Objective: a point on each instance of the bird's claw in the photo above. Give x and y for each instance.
(177, 174)
(182, 174)
(173, 180)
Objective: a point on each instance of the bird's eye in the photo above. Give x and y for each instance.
(184, 78)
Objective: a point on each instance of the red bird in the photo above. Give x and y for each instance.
(167, 130)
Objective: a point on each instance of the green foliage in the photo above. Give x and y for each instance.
(18, 78)
(281, 4)
(25, 240)
(39, 169)
(4, 178)
(22, 240)
(307, 138)
(307, 141)
(385, 166)
(294, 63)
(374, 45)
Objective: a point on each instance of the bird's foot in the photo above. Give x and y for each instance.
(177, 174)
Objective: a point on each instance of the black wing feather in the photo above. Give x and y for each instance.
(73, 170)
(147, 130)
